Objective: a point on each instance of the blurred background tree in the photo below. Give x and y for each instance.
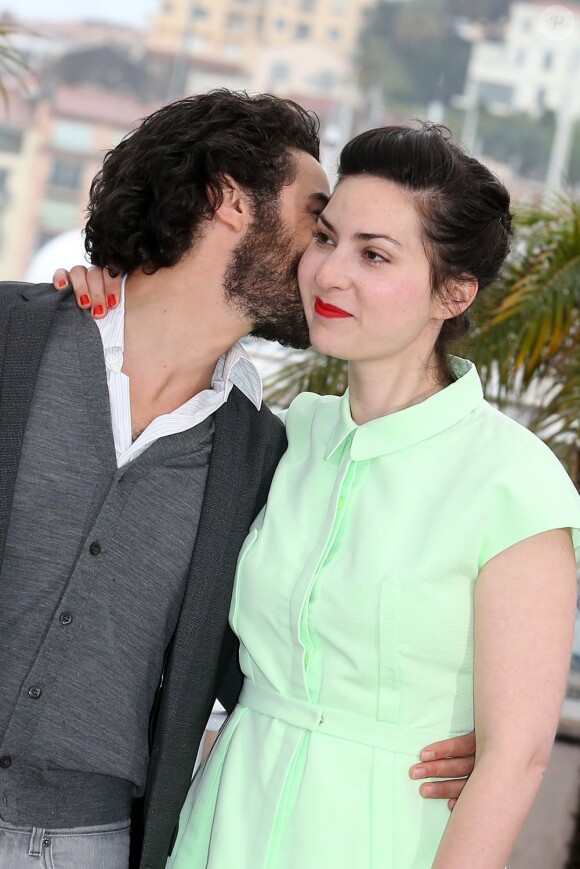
(413, 52)
(12, 63)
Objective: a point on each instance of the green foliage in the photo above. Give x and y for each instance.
(412, 52)
(479, 10)
(574, 170)
(12, 63)
(526, 343)
(518, 140)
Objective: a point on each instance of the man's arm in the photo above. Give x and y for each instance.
(450, 759)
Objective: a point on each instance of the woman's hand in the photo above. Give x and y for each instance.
(450, 759)
(93, 287)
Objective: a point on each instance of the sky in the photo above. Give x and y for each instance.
(133, 12)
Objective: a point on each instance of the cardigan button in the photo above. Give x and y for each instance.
(95, 548)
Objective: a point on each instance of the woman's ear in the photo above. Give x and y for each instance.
(457, 298)
(232, 206)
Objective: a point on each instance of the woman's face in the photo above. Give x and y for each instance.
(365, 279)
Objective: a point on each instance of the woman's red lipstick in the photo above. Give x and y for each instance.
(330, 311)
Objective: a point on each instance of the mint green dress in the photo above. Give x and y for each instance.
(353, 605)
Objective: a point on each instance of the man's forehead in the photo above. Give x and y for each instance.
(310, 173)
(318, 200)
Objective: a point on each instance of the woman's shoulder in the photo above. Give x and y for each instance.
(511, 442)
(310, 414)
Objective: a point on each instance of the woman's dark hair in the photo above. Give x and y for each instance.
(464, 210)
(154, 190)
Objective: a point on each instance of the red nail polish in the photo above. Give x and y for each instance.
(62, 283)
(85, 300)
(112, 301)
(98, 310)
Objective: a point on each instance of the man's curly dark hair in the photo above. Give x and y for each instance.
(154, 190)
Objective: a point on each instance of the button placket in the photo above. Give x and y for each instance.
(344, 475)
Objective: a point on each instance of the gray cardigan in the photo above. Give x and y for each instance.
(202, 659)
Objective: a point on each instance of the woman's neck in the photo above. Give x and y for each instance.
(379, 389)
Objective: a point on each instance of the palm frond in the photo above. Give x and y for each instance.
(313, 372)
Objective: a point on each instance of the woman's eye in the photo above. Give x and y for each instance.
(373, 257)
(321, 238)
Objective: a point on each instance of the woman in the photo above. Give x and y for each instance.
(414, 562)
(413, 569)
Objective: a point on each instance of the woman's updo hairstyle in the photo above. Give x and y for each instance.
(464, 209)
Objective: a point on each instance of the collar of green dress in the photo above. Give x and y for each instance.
(411, 425)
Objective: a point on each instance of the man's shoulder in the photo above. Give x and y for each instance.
(15, 292)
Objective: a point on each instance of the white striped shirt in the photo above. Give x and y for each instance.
(234, 367)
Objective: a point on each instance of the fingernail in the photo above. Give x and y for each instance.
(98, 310)
(62, 283)
(428, 755)
(419, 772)
(85, 300)
(112, 301)
(428, 790)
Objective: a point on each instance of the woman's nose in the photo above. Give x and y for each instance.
(333, 273)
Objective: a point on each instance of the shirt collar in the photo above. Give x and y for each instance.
(233, 367)
(411, 425)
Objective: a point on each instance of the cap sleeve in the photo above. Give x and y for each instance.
(530, 494)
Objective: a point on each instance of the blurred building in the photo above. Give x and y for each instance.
(536, 65)
(90, 84)
(232, 30)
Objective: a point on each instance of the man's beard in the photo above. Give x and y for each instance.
(261, 280)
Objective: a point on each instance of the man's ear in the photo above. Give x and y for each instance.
(456, 298)
(234, 208)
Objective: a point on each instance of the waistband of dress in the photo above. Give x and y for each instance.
(338, 723)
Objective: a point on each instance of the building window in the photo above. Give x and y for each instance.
(302, 31)
(72, 136)
(339, 7)
(541, 96)
(65, 174)
(334, 34)
(4, 176)
(233, 51)
(526, 25)
(521, 56)
(280, 72)
(198, 43)
(308, 5)
(198, 13)
(324, 80)
(10, 139)
(548, 60)
(236, 23)
(280, 24)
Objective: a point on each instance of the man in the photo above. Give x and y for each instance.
(135, 454)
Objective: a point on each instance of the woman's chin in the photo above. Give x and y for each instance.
(325, 345)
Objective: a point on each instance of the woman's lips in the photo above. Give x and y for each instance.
(330, 311)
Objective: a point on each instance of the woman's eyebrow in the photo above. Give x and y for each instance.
(362, 236)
